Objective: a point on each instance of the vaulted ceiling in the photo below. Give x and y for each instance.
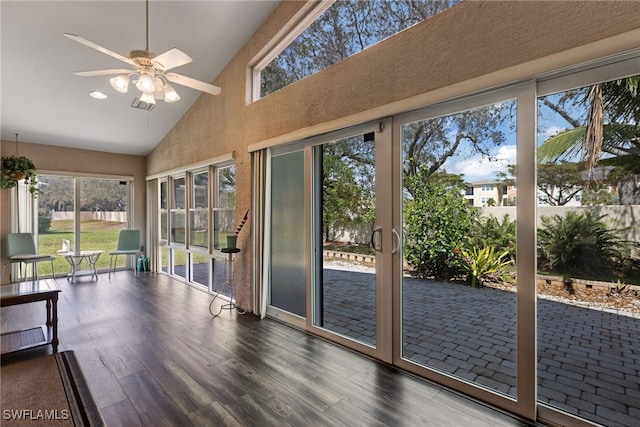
(45, 103)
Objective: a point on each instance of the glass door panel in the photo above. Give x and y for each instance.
(588, 259)
(103, 213)
(458, 313)
(345, 285)
(56, 219)
(288, 229)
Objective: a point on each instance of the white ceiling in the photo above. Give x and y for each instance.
(45, 103)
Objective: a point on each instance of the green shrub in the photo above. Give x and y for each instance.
(437, 221)
(580, 244)
(482, 265)
(489, 231)
(44, 224)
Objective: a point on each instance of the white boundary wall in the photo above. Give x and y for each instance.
(98, 216)
(623, 217)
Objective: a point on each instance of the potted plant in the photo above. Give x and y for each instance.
(16, 168)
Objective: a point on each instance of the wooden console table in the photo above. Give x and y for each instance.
(26, 292)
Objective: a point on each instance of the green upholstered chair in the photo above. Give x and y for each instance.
(21, 249)
(128, 245)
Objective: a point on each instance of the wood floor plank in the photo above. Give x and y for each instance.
(121, 414)
(185, 393)
(213, 414)
(150, 401)
(103, 384)
(261, 387)
(254, 414)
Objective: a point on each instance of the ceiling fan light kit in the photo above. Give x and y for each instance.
(145, 83)
(120, 83)
(148, 98)
(148, 71)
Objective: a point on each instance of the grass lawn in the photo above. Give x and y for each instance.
(95, 235)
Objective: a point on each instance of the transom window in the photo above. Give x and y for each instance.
(343, 29)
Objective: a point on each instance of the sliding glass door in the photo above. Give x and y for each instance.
(458, 295)
(329, 241)
(482, 243)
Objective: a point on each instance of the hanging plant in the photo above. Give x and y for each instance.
(16, 168)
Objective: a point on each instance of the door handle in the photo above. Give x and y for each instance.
(373, 239)
(398, 241)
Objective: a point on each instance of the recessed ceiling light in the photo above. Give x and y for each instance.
(98, 94)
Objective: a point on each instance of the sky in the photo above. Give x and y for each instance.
(479, 168)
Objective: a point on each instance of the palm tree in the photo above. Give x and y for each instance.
(615, 144)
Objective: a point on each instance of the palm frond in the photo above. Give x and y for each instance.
(621, 100)
(563, 146)
(618, 139)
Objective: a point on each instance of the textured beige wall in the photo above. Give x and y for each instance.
(51, 158)
(473, 46)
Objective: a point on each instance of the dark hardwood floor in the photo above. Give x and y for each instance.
(153, 355)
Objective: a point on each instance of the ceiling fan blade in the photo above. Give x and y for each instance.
(192, 83)
(103, 72)
(172, 58)
(98, 48)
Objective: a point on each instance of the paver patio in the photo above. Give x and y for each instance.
(588, 359)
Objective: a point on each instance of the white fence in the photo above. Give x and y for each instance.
(97, 216)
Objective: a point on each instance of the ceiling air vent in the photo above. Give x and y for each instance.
(141, 105)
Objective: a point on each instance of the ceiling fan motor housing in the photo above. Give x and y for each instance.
(142, 57)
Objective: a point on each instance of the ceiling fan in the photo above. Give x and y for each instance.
(148, 72)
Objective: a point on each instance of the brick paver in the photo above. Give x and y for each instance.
(588, 359)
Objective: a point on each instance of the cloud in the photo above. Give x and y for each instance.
(482, 167)
(551, 131)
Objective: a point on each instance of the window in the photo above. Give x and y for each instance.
(196, 209)
(487, 187)
(164, 213)
(224, 209)
(343, 29)
(199, 210)
(89, 212)
(178, 226)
